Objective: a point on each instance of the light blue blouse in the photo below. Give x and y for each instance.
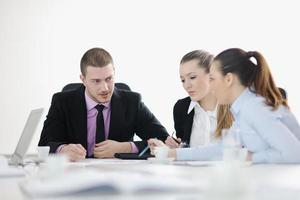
(273, 136)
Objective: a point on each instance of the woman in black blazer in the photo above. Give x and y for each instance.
(198, 120)
(195, 129)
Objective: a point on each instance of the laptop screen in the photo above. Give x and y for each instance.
(26, 136)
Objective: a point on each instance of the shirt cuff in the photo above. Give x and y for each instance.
(183, 154)
(210, 152)
(259, 158)
(134, 149)
(59, 148)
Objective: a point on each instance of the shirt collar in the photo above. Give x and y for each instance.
(213, 113)
(240, 100)
(194, 104)
(90, 103)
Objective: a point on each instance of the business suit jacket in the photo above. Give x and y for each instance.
(66, 121)
(183, 121)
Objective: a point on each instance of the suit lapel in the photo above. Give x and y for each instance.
(80, 115)
(188, 126)
(116, 116)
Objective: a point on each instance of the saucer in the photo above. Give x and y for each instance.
(163, 161)
(234, 163)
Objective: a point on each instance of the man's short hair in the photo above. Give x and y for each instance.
(95, 57)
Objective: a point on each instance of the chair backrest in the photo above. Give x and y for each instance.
(122, 86)
(283, 92)
(74, 86)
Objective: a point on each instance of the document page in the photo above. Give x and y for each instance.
(106, 182)
(9, 171)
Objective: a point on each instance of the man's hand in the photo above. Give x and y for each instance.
(108, 148)
(171, 143)
(74, 152)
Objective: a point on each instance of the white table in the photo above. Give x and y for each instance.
(246, 182)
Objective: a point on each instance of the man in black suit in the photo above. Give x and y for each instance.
(98, 120)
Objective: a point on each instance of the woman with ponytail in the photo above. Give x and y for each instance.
(267, 127)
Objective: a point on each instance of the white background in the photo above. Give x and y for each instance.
(42, 41)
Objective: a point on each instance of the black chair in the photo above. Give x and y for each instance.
(122, 86)
(74, 86)
(282, 92)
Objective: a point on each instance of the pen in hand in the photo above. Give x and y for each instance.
(144, 151)
(175, 139)
(181, 143)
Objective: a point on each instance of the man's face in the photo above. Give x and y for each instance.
(99, 82)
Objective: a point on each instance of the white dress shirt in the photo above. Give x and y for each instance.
(204, 125)
(273, 136)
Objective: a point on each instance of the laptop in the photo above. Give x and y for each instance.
(26, 137)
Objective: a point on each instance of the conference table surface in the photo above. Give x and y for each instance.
(200, 180)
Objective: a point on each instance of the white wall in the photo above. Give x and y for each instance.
(41, 43)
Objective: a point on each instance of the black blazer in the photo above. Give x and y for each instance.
(183, 122)
(66, 121)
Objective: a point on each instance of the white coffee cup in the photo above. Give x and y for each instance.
(55, 164)
(232, 145)
(43, 152)
(161, 153)
(243, 153)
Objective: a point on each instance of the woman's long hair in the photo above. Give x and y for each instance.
(224, 119)
(257, 77)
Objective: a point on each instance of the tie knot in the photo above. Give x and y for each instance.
(99, 107)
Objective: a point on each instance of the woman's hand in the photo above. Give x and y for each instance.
(249, 156)
(172, 142)
(155, 143)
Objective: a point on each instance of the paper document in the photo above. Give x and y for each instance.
(9, 171)
(95, 162)
(116, 182)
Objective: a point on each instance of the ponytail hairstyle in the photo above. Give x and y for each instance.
(257, 77)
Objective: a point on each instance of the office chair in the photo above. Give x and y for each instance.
(283, 92)
(74, 86)
(122, 86)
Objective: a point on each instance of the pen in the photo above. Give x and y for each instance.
(144, 151)
(175, 138)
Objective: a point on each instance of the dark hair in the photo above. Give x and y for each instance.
(204, 58)
(256, 76)
(95, 57)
